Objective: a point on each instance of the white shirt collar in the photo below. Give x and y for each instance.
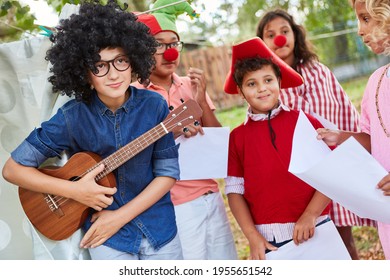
(262, 117)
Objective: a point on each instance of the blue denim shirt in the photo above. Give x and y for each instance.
(78, 127)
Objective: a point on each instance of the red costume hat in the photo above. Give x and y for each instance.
(256, 47)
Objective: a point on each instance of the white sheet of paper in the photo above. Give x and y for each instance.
(204, 156)
(325, 122)
(326, 244)
(347, 175)
(307, 151)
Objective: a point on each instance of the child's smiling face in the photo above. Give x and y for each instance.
(261, 89)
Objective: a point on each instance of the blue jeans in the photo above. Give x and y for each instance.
(171, 251)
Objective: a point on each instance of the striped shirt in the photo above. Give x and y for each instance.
(322, 94)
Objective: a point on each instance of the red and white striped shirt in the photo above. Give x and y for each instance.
(322, 94)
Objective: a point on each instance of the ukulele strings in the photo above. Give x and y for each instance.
(124, 154)
(56, 201)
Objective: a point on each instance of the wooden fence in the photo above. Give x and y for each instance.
(215, 62)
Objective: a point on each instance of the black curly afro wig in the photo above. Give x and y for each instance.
(82, 36)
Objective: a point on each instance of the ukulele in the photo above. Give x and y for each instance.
(58, 217)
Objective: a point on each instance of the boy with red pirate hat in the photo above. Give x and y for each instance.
(271, 205)
(321, 94)
(203, 226)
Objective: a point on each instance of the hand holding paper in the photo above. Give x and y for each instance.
(348, 174)
(326, 244)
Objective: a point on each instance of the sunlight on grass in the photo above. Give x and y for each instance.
(232, 117)
(355, 89)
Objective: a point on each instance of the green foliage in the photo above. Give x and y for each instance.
(251, 11)
(58, 4)
(14, 20)
(324, 16)
(232, 117)
(134, 5)
(234, 21)
(319, 17)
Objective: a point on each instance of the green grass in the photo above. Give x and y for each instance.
(355, 89)
(232, 117)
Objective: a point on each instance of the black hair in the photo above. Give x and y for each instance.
(243, 66)
(82, 36)
(251, 64)
(303, 49)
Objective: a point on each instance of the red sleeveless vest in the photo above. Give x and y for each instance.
(273, 194)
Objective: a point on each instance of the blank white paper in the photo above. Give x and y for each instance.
(204, 156)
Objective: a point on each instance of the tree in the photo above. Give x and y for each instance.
(235, 20)
(135, 5)
(324, 16)
(16, 19)
(319, 17)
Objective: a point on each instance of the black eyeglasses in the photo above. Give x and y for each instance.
(161, 47)
(120, 63)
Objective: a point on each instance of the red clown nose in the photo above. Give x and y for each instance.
(280, 40)
(171, 54)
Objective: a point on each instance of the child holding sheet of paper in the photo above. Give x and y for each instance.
(374, 28)
(271, 205)
(320, 95)
(201, 217)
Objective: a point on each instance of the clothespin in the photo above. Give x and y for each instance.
(47, 32)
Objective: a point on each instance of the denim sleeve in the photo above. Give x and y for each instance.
(27, 155)
(47, 141)
(166, 162)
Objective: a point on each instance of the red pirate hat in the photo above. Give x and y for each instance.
(256, 47)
